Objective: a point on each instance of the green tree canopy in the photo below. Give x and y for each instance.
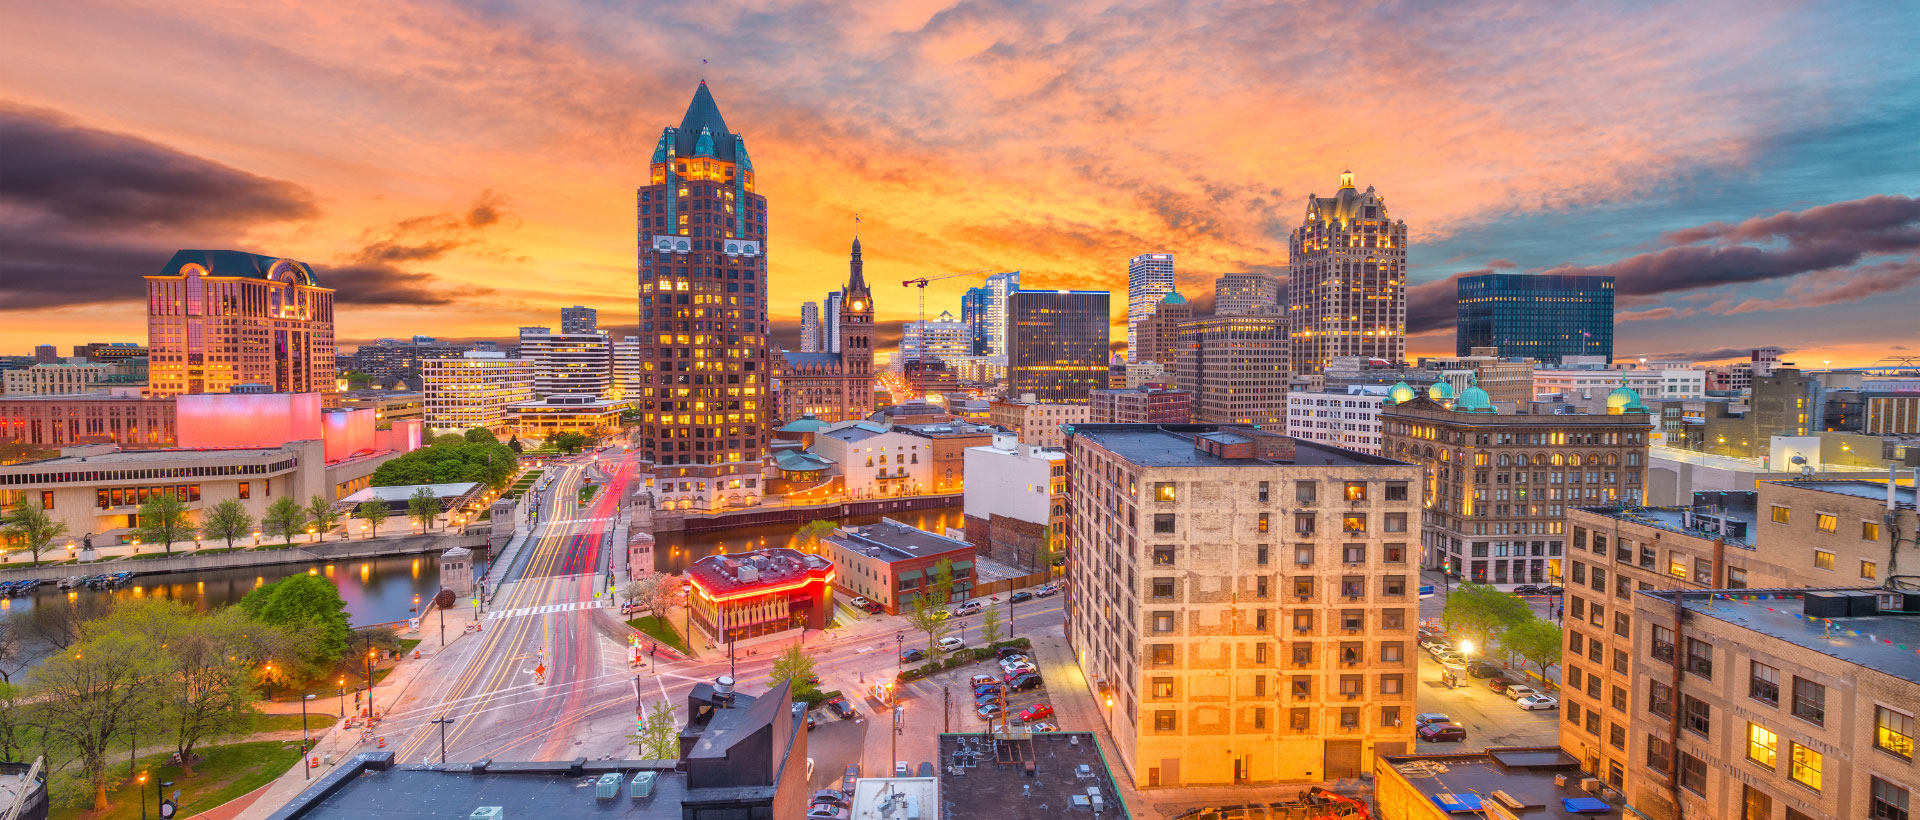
(33, 526)
(164, 520)
(375, 512)
(285, 517)
(452, 459)
(1478, 612)
(310, 608)
(795, 666)
(423, 507)
(227, 521)
(321, 512)
(1536, 639)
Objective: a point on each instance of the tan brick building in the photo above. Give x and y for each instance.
(1036, 423)
(1243, 604)
(1236, 368)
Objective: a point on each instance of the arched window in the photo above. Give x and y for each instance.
(1505, 461)
(1558, 461)
(1612, 459)
(1573, 460)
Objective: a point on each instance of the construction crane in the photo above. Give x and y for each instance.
(922, 283)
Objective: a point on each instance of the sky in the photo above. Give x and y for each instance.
(1747, 170)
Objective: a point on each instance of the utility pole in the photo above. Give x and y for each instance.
(443, 721)
(946, 709)
(306, 741)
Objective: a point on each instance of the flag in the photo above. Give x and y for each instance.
(856, 219)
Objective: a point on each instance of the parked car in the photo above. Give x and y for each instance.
(873, 608)
(1425, 718)
(1449, 658)
(1518, 691)
(1047, 591)
(1526, 589)
(1552, 590)
(851, 777)
(988, 710)
(952, 644)
(1441, 732)
(834, 796)
(1499, 683)
(940, 615)
(841, 708)
(1437, 647)
(862, 602)
(913, 656)
(968, 607)
(1020, 597)
(1010, 651)
(984, 698)
(1533, 702)
(1035, 712)
(1043, 727)
(1019, 666)
(1483, 669)
(981, 680)
(1021, 683)
(827, 811)
(812, 722)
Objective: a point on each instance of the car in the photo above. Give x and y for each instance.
(873, 608)
(985, 698)
(913, 656)
(988, 711)
(1009, 652)
(1016, 662)
(1425, 718)
(1533, 702)
(843, 709)
(1047, 591)
(851, 777)
(988, 689)
(1043, 727)
(1021, 683)
(1449, 658)
(1437, 647)
(813, 681)
(1483, 669)
(860, 601)
(1552, 590)
(1526, 589)
(1035, 712)
(982, 680)
(952, 644)
(833, 796)
(1499, 683)
(1019, 666)
(827, 811)
(1020, 597)
(968, 607)
(812, 722)
(1441, 732)
(1518, 691)
(940, 615)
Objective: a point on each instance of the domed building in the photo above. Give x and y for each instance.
(1401, 393)
(1440, 391)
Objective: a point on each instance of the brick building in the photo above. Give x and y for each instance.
(891, 563)
(1153, 404)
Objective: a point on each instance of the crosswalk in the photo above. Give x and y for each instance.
(548, 608)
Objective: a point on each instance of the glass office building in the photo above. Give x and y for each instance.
(1545, 317)
(1057, 344)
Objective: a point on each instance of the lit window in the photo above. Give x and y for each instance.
(1826, 523)
(1780, 514)
(1822, 560)
(1762, 745)
(1805, 768)
(1893, 731)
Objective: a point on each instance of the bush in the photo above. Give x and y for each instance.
(958, 661)
(814, 699)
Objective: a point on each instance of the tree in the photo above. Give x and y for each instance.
(990, 626)
(309, 607)
(658, 592)
(34, 527)
(284, 518)
(204, 688)
(927, 614)
(810, 533)
(164, 520)
(11, 658)
(227, 521)
(13, 721)
(480, 435)
(357, 379)
(795, 666)
(568, 443)
(375, 512)
(659, 735)
(322, 514)
(1536, 639)
(91, 696)
(450, 459)
(58, 620)
(1477, 612)
(423, 507)
(515, 445)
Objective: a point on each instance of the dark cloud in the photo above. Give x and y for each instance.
(1430, 306)
(374, 275)
(1720, 354)
(386, 285)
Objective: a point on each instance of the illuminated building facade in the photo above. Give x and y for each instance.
(835, 387)
(1149, 279)
(1347, 280)
(892, 564)
(934, 340)
(1236, 368)
(810, 327)
(474, 391)
(626, 370)
(578, 319)
(705, 366)
(219, 319)
(1544, 317)
(1238, 294)
(762, 593)
(1158, 335)
(132, 422)
(1057, 343)
(574, 364)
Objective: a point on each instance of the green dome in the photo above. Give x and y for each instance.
(1473, 399)
(1401, 392)
(1622, 397)
(1174, 298)
(1440, 391)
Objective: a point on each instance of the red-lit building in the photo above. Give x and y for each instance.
(755, 594)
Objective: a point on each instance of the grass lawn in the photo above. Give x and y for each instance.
(586, 492)
(330, 688)
(407, 644)
(320, 715)
(657, 628)
(223, 773)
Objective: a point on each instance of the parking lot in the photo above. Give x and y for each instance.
(1490, 718)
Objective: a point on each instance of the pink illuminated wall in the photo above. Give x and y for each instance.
(403, 438)
(348, 432)
(216, 420)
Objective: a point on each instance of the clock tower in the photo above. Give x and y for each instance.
(856, 319)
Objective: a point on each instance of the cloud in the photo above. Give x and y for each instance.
(1654, 314)
(1501, 264)
(1814, 290)
(1431, 305)
(1715, 355)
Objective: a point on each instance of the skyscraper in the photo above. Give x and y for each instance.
(1238, 294)
(1159, 339)
(934, 340)
(1057, 343)
(220, 319)
(1543, 317)
(993, 311)
(703, 314)
(579, 319)
(1149, 278)
(835, 387)
(576, 364)
(810, 327)
(830, 323)
(1347, 280)
(1236, 368)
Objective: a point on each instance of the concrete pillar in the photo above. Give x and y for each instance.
(456, 571)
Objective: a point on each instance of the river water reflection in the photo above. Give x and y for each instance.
(673, 551)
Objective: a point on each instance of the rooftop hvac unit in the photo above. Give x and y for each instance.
(609, 786)
(641, 785)
(488, 813)
(1590, 785)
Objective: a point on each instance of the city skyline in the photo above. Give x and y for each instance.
(1781, 214)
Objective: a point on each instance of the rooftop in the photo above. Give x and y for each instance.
(1903, 494)
(720, 574)
(1881, 642)
(372, 788)
(1698, 521)
(988, 776)
(1459, 782)
(892, 541)
(895, 798)
(1171, 445)
(131, 457)
(405, 492)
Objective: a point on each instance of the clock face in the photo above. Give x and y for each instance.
(859, 305)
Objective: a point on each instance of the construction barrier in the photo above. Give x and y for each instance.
(383, 742)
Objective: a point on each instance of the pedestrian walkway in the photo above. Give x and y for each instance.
(548, 608)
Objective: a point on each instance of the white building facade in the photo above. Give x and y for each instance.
(474, 391)
(1149, 279)
(1349, 420)
(876, 461)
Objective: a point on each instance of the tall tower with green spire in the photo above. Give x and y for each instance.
(706, 378)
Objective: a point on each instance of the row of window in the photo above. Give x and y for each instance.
(1300, 719)
(1303, 523)
(1826, 522)
(1304, 492)
(1164, 555)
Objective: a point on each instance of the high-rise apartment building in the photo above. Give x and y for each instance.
(387, 360)
(1244, 603)
(1500, 484)
(810, 327)
(973, 311)
(1348, 418)
(934, 340)
(628, 369)
(1347, 280)
(703, 313)
(1543, 317)
(579, 364)
(1238, 294)
(1057, 343)
(220, 319)
(1149, 279)
(474, 391)
(1041, 424)
(835, 387)
(830, 323)
(579, 319)
(1236, 367)
(45, 354)
(991, 322)
(1159, 336)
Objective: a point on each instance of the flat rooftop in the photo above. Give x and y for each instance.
(1171, 445)
(1525, 774)
(747, 570)
(1680, 519)
(524, 790)
(156, 456)
(895, 798)
(892, 541)
(988, 776)
(1876, 641)
(1903, 494)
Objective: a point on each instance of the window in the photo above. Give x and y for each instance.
(1163, 622)
(1298, 719)
(1393, 619)
(1163, 687)
(1353, 523)
(1393, 585)
(1260, 591)
(1619, 701)
(1303, 620)
(1303, 523)
(1260, 717)
(1893, 732)
(1396, 491)
(1163, 587)
(1869, 531)
(1263, 492)
(1823, 560)
(1886, 800)
(1696, 715)
(1163, 555)
(1394, 553)
(1574, 674)
(1693, 774)
(1356, 491)
(1780, 514)
(1617, 736)
(1736, 577)
(1396, 522)
(1260, 555)
(1825, 522)
(1676, 567)
(1576, 643)
(1869, 570)
(1301, 686)
(1304, 492)
(1353, 554)
(1805, 768)
(1163, 523)
(1303, 554)
(1755, 804)
(246, 490)
(1622, 625)
(1392, 652)
(1303, 587)
(1809, 701)
(1659, 754)
(1763, 684)
(1162, 654)
(1163, 720)
(1389, 716)
(1700, 658)
(1163, 491)
(1303, 654)
(1662, 641)
(1763, 746)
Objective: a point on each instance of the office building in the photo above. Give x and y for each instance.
(1771, 702)
(1016, 502)
(1159, 333)
(1540, 316)
(1041, 424)
(1260, 626)
(1141, 405)
(837, 386)
(391, 360)
(1149, 279)
(575, 364)
(122, 418)
(810, 329)
(944, 339)
(892, 564)
(1348, 419)
(629, 371)
(219, 319)
(54, 379)
(46, 354)
(949, 440)
(703, 310)
(1498, 484)
(830, 323)
(1509, 382)
(474, 391)
(1347, 280)
(579, 319)
(1784, 402)
(1240, 294)
(1057, 343)
(762, 593)
(543, 418)
(1236, 368)
(988, 305)
(110, 351)
(973, 311)
(388, 406)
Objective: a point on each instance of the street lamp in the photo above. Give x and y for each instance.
(343, 697)
(142, 782)
(306, 740)
(442, 722)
